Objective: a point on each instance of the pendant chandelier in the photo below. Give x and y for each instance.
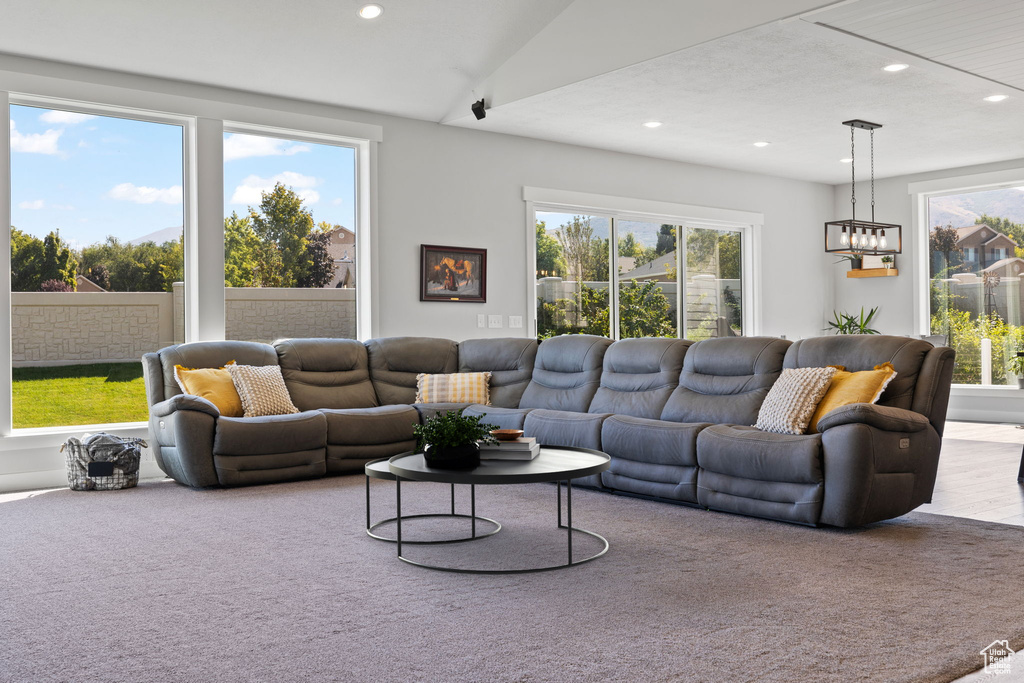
(860, 238)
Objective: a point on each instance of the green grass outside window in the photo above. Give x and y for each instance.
(98, 393)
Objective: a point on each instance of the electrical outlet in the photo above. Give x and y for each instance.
(515, 322)
(481, 320)
(494, 320)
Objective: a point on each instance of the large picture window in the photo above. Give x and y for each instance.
(621, 277)
(289, 238)
(976, 281)
(97, 262)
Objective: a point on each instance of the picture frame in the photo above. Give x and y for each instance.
(453, 274)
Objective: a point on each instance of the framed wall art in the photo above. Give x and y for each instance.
(453, 274)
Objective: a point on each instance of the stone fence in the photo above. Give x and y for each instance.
(70, 328)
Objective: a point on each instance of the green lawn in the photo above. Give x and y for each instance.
(79, 394)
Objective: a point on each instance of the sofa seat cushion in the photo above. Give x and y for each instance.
(651, 457)
(428, 410)
(747, 471)
(502, 418)
(565, 428)
(370, 426)
(261, 450)
(270, 434)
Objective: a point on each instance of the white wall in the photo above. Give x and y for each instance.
(895, 296)
(452, 186)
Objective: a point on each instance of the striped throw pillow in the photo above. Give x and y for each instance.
(262, 390)
(788, 407)
(457, 387)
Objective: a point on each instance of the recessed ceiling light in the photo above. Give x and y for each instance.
(896, 67)
(371, 11)
(996, 98)
(652, 124)
(847, 160)
(761, 144)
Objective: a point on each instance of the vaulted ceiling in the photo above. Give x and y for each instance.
(718, 76)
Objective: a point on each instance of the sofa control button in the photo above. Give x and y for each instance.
(161, 424)
(904, 443)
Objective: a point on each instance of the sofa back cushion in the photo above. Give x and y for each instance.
(857, 352)
(211, 354)
(326, 373)
(567, 373)
(510, 362)
(725, 380)
(638, 376)
(395, 362)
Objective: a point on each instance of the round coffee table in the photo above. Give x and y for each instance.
(378, 469)
(551, 465)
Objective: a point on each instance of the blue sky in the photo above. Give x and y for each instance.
(94, 176)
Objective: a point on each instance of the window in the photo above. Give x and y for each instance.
(661, 273)
(974, 302)
(289, 238)
(97, 261)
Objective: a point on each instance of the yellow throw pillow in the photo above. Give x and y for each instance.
(457, 387)
(852, 387)
(213, 384)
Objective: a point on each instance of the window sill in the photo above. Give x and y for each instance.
(42, 437)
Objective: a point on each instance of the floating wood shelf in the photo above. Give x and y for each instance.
(872, 272)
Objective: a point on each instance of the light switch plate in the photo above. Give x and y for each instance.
(515, 321)
(494, 320)
(481, 320)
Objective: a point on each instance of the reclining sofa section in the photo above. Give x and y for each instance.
(674, 416)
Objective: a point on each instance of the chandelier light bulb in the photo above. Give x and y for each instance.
(874, 240)
(844, 239)
(854, 239)
(882, 243)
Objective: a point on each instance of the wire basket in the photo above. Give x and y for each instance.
(102, 462)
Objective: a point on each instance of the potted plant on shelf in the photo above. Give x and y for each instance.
(1017, 366)
(844, 323)
(887, 262)
(856, 260)
(449, 440)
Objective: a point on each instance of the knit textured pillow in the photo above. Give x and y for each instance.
(262, 390)
(457, 387)
(788, 407)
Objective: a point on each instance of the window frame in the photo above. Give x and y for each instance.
(683, 216)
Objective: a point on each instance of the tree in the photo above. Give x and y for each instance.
(629, 247)
(240, 247)
(943, 240)
(146, 267)
(99, 275)
(599, 259)
(666, 240)
(575, 238)
(549, 253)
(322, 265)
(26, 256)
(1015, 231)
(730, 263)
(645, 256)
(644, 311)
(58, 261)
(282, 221)
(55, 286)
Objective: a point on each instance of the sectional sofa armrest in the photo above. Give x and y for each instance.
(183, 402)
(879, 417)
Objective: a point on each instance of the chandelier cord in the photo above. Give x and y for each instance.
(872, 175)
(853, 175)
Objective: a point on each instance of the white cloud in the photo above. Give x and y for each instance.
(250, 192)
(33, 205)
(35, 143)
(146, 195)
(337, 201)
(64, 117)
(238, 146)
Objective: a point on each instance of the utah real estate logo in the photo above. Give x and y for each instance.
(997, 657)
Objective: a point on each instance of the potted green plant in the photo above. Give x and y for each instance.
(856, 260)
(887, 262)
(449, 440)
(1016, 365)
(844, 323)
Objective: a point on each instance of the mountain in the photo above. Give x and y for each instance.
(961, 209)
(160, 236)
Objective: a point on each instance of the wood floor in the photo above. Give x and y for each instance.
(977, 475)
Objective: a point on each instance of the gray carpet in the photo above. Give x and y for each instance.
(280, 583)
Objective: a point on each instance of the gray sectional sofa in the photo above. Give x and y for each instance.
(674, 416)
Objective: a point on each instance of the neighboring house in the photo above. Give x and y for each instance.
(343, 250)
(1007, 267)
(659, 270)
(982, 246)
(84, 284)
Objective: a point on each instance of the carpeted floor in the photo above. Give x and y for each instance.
(280, 583)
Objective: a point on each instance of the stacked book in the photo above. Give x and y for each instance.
(523, 448)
